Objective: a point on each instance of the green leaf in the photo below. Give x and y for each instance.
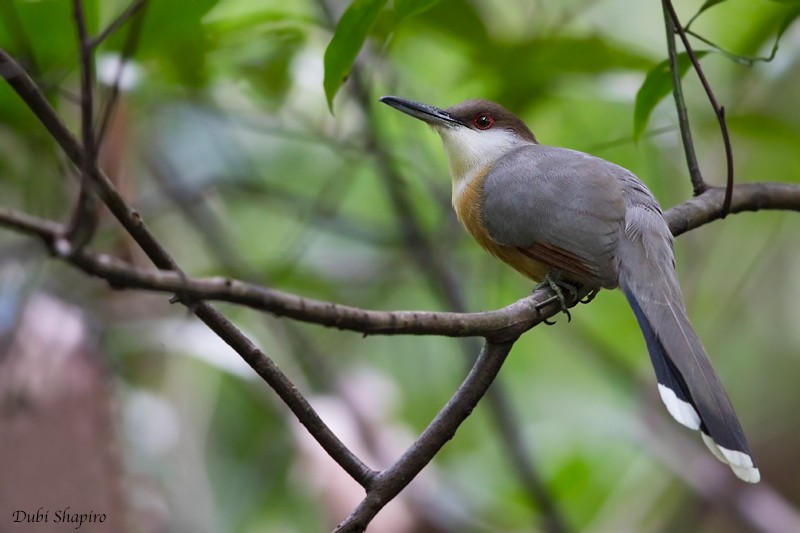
(657, 84)
(347, 40)
(408, 8)
(789, 2)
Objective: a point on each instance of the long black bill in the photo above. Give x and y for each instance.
(427, 113)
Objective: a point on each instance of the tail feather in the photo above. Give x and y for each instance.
(687, 383)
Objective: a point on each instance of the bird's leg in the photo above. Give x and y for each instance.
(556, 283)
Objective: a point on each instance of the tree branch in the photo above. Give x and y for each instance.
(500, 325)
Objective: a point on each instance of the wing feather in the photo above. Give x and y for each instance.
(558, 206)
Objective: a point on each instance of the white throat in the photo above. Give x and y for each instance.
(468, 151)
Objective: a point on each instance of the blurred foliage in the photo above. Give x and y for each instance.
(226, 147)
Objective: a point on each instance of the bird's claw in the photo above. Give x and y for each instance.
(589, 297)
(555, 283)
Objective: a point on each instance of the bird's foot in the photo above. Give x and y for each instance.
(561, 287)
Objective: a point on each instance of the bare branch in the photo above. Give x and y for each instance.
(703, 209)
(26, 224)
(505, 323)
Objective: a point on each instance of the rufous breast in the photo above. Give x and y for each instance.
(468, 204)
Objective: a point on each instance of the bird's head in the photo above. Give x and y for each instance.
(474, 133)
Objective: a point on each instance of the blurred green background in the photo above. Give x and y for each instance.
(223, 141)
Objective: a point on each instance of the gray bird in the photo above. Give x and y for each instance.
(572, 219)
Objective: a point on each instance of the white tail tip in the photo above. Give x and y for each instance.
(740, 462)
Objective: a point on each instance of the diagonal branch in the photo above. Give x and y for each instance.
(390, 482)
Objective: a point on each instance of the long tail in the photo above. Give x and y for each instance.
(687, 383)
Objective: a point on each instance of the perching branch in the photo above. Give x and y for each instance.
(502, 324)
(499, 326)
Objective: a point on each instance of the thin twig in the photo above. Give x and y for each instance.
(719, 110)
(740, 59)
(84, 218)
(117, 23)
(86, 63)
(680, 104)
(137, 11)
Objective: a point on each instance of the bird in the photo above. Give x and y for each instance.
(571, 220)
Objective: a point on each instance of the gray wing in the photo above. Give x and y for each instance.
(558, 206)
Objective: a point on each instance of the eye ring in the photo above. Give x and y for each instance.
(483, 121)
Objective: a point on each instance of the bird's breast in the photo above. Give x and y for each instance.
(468, 202)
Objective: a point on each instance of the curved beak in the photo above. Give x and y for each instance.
(427, 113)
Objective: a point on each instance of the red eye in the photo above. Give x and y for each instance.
(483, 121)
